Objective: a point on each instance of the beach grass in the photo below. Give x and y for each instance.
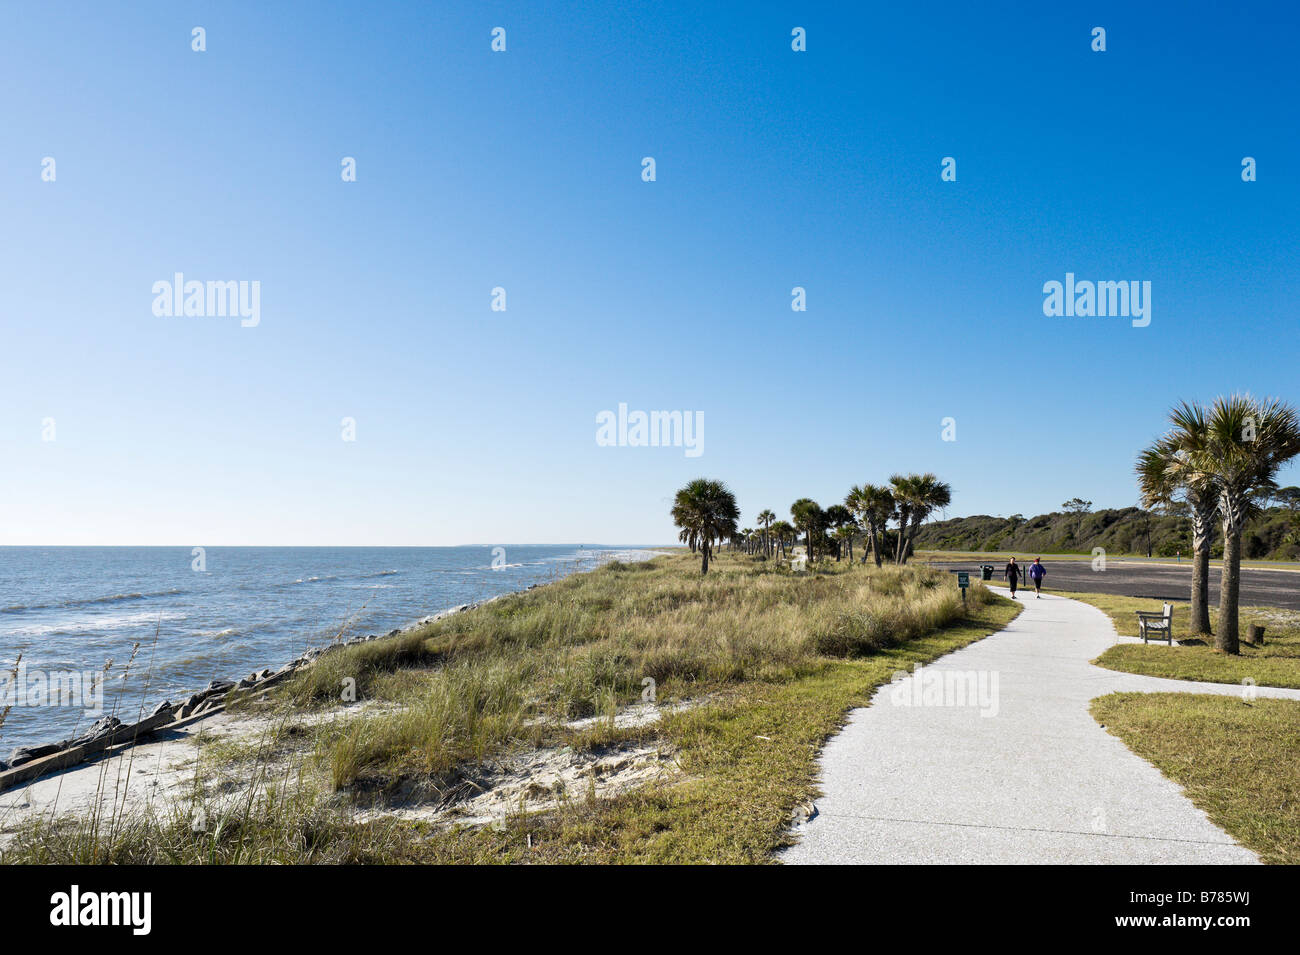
(754, 667)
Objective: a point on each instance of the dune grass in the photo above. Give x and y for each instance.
(520, 666)
(778, 660)
(747, 762)
(1235, 758)
(1276, 663)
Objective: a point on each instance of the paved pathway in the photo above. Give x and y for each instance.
(1037, 781)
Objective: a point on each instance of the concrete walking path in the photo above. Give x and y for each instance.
(1036, 780)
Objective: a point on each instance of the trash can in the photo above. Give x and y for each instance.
(986, 572)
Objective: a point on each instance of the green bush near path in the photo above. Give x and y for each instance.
(1236, 759)
(1276, 663)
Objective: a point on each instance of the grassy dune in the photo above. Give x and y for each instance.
(773, 661)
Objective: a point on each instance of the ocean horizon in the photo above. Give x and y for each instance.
(202, 614)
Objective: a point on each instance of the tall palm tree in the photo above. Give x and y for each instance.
(874, 505)
(844, 540)
(839, 517)
(807, 515)
(766, 517)
(707, 512)
(929, 494)
(905, 499)
(1244, 442)
(782, 531)
(1165, 479)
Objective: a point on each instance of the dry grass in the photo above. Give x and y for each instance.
(780, 659)
(585, 646)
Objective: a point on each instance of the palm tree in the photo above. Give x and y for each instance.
(839, 517)
(807, 515)
(766, 517)
(1165, 480)
(706, 512)
(905, 498)
(874, 506)
(1241, 447)
(929, 494)
(844, 539)
(783, 531)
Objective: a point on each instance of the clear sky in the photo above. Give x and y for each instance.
(523, 170)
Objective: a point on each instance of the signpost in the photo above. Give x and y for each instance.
(963, 581)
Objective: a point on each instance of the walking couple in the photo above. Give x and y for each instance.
(1037, 572)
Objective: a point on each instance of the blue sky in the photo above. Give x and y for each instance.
(522, 170)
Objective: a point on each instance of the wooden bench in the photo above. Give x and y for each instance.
(1157, 624)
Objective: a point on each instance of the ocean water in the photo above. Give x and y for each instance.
(68, 610)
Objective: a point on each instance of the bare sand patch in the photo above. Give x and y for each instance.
(533, 781)
(233, 759)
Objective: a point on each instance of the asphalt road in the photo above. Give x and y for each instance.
(1259, 587)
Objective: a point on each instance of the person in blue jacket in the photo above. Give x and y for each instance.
(1012, 575)
(1036, 574)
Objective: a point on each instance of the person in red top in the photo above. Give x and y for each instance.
(1012, 574)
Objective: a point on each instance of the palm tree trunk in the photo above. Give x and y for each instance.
(875, 544)
(1202, 538)
(1226, 640)
(903, 515)
(914, 527)
(704, 550)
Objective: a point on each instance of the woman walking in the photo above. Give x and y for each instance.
(1012, 574)
(1036, 574)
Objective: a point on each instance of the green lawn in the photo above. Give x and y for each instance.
(1276, 663)
(1236, 759)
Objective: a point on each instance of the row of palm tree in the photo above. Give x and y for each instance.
(1219, 461)
(772, 538)
(707, 514)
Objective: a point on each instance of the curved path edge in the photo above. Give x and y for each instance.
(990, 755)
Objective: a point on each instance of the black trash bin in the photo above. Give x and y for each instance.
(986, 572)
